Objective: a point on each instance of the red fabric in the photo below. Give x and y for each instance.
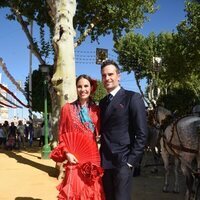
(77, 186)
(94, 86)
(82, 146)
(82, 181)
(11, 93)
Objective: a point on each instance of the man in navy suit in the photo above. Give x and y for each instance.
(123, 133)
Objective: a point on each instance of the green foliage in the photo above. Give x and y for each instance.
(132, 53)
(193, 83)
(108, 16)
(188, 38)
(38, 92)
(100, 92)
(32, 10)
(114, 16)
(36, 11)
(46, 47)
(179, 99)
(136, 52)
(180, 53)
(182, 60)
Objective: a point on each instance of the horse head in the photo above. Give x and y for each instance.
(196, 110)
(162, 114)
(159, 116)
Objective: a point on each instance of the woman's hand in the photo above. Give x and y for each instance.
(98, 139)
(71, 158)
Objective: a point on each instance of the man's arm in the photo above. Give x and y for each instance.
(138, 132)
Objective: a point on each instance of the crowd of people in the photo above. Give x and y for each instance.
(19, 136)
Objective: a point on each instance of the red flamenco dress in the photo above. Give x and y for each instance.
(83, 180)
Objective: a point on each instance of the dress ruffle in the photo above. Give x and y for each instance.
(57, 154)
(76, 186)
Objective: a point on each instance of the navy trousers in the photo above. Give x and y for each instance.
(117, 183)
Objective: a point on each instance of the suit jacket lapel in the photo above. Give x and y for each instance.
(116, 100)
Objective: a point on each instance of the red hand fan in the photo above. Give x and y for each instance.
(82, 146)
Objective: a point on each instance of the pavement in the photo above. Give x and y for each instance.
(25, 176)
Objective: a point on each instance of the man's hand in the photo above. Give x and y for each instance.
(130, 166)
(71, 158)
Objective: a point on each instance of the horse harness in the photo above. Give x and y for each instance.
(164, 124)
(173, 147)
(152, 117)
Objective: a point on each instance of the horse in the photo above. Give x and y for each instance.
(181, 139)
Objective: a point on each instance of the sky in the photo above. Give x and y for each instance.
(16, 56)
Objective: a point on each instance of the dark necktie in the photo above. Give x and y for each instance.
(109, 98)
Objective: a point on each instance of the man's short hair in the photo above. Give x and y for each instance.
(110, 62)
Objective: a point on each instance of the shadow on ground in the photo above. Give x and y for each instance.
(26, 198)
(52, 171)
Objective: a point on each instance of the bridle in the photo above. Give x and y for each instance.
(153, 118)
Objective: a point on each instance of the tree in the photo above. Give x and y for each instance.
(136, 53)
(93, 18)
(180, 100)
(38, 91)
(100, 92)
(180, 54)
(193, 84)
(188, 35)
(183, 58)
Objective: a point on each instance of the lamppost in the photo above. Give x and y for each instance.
(46, 149)
(157, 64)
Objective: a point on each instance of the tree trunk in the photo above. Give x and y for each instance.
(55, 114)
(62, 12)
(64, 88)
(140, 89)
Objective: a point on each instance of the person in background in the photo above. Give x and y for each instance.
(79, 118)
(2, 136)
(123, 132)
(26, 132)
(30, 134)
(12, 135)
(20, 134)
(6, 128)
(41, 141)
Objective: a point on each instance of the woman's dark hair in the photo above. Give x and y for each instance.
(93, 82)
(110, 62)
(85, 77)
